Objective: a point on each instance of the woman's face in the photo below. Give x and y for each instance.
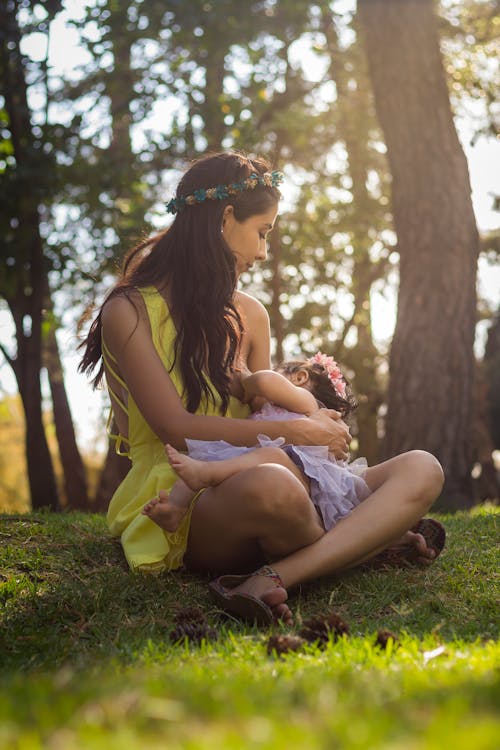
(247, 239)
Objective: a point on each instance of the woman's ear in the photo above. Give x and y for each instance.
(227, 213)
(300, 377)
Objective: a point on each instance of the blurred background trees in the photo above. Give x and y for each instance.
(90, 152)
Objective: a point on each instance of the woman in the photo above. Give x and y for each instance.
(171, 334)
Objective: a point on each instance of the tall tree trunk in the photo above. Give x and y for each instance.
(276, 284)
(75, 480)
(487, 484)
(43, 488)
(487, 414)
(23, 282)
(432, 360)
(214, 90)
(114, 470)
(352, 106)
(120, 91)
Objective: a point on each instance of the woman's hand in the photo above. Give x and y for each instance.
(325, 427)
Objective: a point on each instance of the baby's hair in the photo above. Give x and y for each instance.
(322, 387)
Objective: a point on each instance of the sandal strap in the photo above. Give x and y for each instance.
(269, 572)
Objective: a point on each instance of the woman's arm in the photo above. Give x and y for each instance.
(276, 388)
(128, 336)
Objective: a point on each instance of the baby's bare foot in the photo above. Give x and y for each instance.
(164, 512)
(196, 474)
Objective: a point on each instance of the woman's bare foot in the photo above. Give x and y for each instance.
(196, 474)
(420, 545)
(424, 555)
(255, 598)
(274, 596)
(167, 510)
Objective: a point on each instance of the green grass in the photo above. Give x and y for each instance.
(86, 660)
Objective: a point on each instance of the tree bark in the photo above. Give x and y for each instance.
(215, 128)
(432, 360)
(276, 284)
(43, 488)
(353, 130)
(113, 472)
(23, 283)
(75, 480)
(487, 484)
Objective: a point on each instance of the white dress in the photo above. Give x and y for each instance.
(336, 487)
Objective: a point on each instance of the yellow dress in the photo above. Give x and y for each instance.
(146, 545)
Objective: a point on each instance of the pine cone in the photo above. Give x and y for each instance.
(194, 633)
(192, 624)
(383, 637)
(281, 644)
(190, 615)
(320, 628)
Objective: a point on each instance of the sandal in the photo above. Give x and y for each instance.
(245, 606)
(405, 555)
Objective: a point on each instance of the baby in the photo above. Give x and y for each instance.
(294, 390)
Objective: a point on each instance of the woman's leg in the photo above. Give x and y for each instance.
(404, 488)
(257, 515)
(250, 521)
(261, 513)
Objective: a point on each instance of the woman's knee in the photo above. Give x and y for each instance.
(271, 455)
(427, 472)
(274, 491)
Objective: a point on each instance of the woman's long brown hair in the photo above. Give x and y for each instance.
(193, 261)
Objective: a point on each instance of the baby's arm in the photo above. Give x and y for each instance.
(274, 387)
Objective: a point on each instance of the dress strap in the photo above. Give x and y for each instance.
(120, 440)
(107, 356)
(122, 444)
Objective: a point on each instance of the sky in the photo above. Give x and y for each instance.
(87, 406)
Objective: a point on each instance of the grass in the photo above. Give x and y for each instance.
(86, 660)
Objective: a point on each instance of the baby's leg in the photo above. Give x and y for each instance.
(168, 510)
(199, 474)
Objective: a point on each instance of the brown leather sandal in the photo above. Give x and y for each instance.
(244, 606)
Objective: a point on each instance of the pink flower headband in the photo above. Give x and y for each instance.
(332, 370)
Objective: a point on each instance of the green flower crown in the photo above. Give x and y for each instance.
(221, 192)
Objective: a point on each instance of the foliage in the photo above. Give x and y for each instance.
(14, 492)
(470, 32)
(87, 659)
(156, 84)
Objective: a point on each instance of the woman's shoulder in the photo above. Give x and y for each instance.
(122, 305)
(251, 308)
(122, 314)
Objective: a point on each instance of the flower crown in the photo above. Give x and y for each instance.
(332, 370)
(221, 192)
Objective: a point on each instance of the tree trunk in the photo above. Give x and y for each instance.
(214, 89)
(354, 131)
(487, 483)
(114, 470)
(75, 481)
(23, 281)
(276, 286)
(432, 360)
(43, 488)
